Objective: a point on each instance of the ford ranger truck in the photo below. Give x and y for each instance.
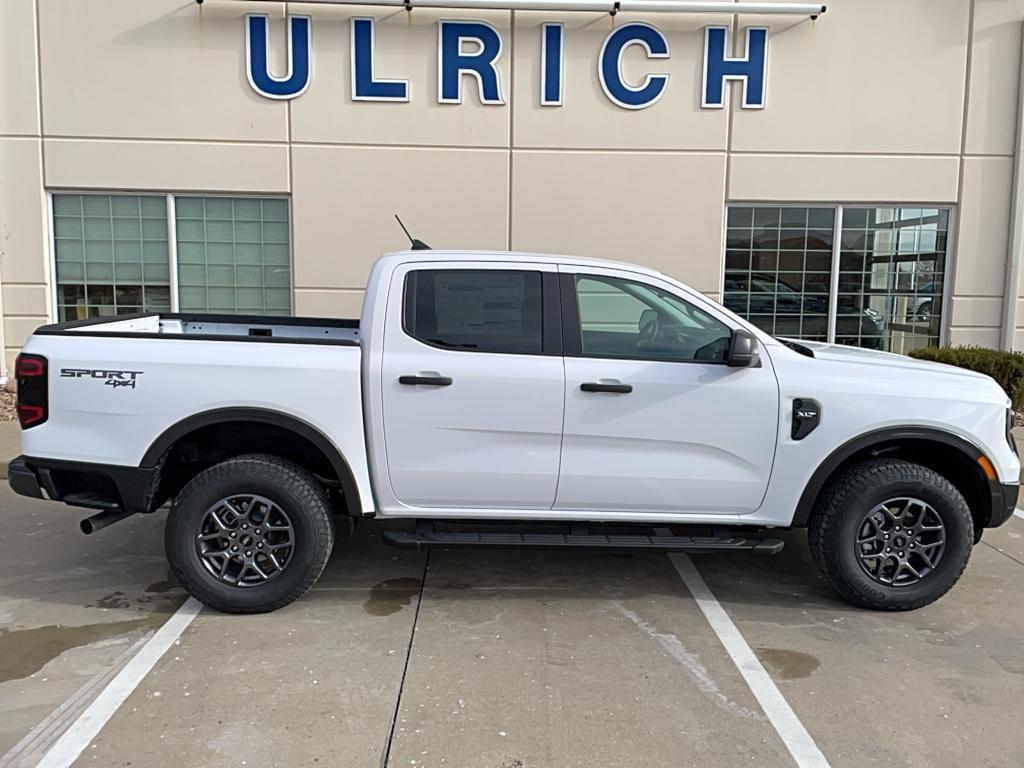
(589, 400)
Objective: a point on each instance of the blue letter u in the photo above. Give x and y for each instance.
(257, 55)
(609, 65)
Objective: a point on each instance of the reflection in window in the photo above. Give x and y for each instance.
(636, 321)
(111, 255)
(778, 263)
(892, 263)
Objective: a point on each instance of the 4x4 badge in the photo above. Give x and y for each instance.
(111, 378)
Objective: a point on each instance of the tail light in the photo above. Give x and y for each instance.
(33, 408)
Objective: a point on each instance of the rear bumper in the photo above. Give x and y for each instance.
(23, 480)
(1004, 501)
(81, 484)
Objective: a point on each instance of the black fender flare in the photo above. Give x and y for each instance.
(156, 452)
(877, 437)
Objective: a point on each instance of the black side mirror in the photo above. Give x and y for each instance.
(742, 349)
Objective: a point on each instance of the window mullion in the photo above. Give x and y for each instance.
(172, 252)
(833, 290)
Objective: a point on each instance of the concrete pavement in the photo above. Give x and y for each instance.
(503, 659)
(10, 444)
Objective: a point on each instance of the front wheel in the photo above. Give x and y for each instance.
(250, 534)
(891, 535)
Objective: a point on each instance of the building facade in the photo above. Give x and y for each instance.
(847, 178)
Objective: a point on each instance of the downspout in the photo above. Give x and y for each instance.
(1011, 289)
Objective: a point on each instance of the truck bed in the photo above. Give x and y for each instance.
(265, 328)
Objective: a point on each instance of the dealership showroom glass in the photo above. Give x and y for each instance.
(842, 177)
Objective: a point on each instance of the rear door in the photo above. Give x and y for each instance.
(473, 385)
(655, 421)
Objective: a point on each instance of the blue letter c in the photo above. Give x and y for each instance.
(609, 67)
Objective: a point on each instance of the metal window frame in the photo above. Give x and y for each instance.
(172, 235)
(948, 274)
(811, 10)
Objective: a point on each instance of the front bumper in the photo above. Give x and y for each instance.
(81, 484)
(1004, 502)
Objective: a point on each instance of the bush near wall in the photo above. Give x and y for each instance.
(1007, 368)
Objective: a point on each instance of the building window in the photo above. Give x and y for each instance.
(778, 264)
(233, 255)
(888, 292)
(112, 257)
(892, 265)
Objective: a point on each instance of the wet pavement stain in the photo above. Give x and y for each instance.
(163, 586)
(389, 596)
(113, 600)
(24, 652)
(786, 664)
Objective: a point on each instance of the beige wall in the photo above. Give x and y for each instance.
(877, 101)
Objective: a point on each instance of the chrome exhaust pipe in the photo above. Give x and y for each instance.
(103, 519)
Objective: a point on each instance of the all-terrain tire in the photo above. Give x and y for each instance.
(287, 485)
(840, 512)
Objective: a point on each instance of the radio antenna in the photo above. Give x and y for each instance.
(416, 245)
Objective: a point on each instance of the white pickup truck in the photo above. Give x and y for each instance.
(592, 400)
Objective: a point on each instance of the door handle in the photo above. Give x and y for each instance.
(432, 381)
(596, 386)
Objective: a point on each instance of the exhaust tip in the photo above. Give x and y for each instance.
(102, 520)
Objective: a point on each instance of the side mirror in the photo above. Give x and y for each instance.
(742, 349)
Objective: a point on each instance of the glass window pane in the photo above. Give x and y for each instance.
(99, 247)
(475, 310)
(67, 205)
(635, 321)
(891, 293)
(275, 210)
(225, 248)
(785, 289)
(96, 205)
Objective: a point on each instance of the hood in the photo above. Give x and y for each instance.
(841, 353)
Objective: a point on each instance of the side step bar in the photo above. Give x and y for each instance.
(425, 536)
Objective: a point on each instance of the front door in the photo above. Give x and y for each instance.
(655, 421)
(473, 386)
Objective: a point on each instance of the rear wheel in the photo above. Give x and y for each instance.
(891, 535)
(250, 534)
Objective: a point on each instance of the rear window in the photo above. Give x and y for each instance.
(475, 310)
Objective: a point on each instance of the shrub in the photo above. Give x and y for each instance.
(1007, 368)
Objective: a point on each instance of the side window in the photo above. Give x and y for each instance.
(477, 310)
(627, 319)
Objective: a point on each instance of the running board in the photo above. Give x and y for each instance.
(425, 537)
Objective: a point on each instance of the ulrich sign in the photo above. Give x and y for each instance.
(473, 48)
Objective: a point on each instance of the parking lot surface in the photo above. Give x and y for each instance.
(500, 659)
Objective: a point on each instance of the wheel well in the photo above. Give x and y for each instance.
(956, 463)
(180, 456)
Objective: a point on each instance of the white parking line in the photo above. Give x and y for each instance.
(792, 732)
(76, 738)
(1019, 513)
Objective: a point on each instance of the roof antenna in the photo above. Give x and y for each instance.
(417, 245)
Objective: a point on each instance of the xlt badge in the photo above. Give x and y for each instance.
(806, 415)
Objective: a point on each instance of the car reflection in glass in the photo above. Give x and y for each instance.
(782, 309)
